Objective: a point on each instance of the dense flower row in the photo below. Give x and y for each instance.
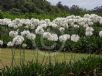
(70, 28)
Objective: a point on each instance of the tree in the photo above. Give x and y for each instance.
(98, 9)
(60, 5)
(75, 9)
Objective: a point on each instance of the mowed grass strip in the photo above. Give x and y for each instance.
(36, 55)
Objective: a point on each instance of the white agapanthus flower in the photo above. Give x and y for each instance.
(89, 29)
(18, 40)
(31, 36)
(25, 21)
(86, 15)
(89, 33)
(31, 26)
(50, 36)
(5, 21)
(15, 23)
(47, 21)
(25, 33)
(75, 38)
(100, 21)
(90, 23)
(100, 33)
(64, 37)
(42, 22)
(76, 26)
(10, 44)
(13, 33)
(46, 35)
(86, 25)
(53, 37)
(39, 30)
(42, 26)
(52, 24)
(24, 45)
(35, 22)
(1, 42)
(82, 23)
(61, 29)
(12, 25)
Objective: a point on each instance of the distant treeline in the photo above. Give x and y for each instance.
(32, 6)
(42, 7)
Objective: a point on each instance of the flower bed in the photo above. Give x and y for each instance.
(72, 33)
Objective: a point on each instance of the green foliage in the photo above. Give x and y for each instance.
(15, 14)
(86, 66)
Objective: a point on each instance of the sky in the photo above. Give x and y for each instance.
(88, 4)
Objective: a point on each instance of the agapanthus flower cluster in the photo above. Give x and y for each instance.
(60, 29)
(50, 36)
(18, 40)
(31, 36)
(75, 38)
(28, 35)
(24, 45)
(89, 31)
(100, 33)
(1, 42)
(64, 37)
(74, 21)
(25, 33)
(13, 33)
(10, 44)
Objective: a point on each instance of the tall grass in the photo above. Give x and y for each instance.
(90, 66)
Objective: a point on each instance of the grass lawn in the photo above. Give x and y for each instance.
(43, 57)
